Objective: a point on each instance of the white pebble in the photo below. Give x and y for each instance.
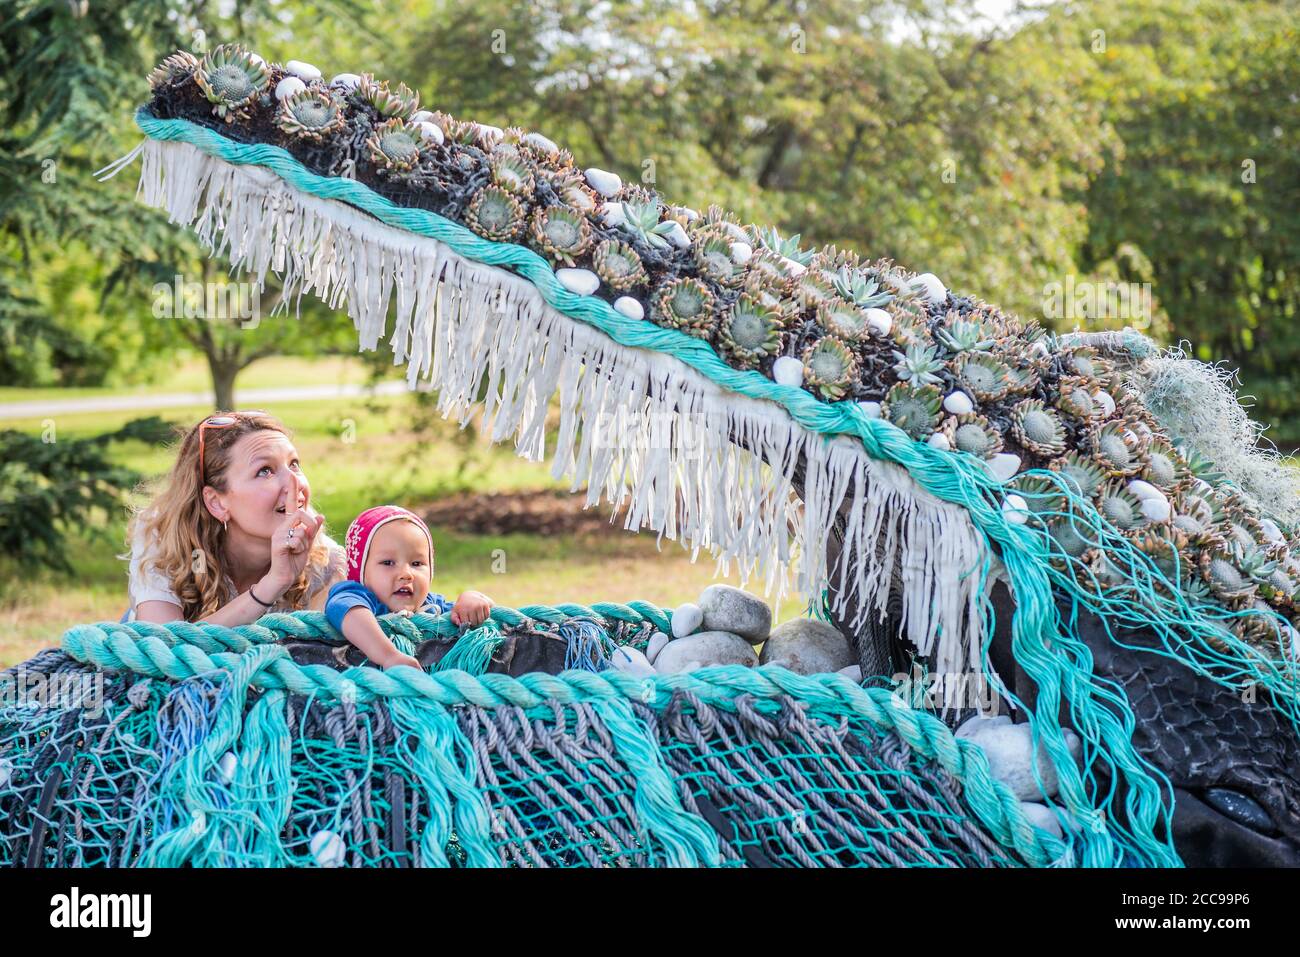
(958, 403)
(256, 58)
(582, 281)
(6, 772)
(1016, 509)
(938, 440)
(677, 236)
(1144, 489)
(741, 253)
(629, 307)
(788, 370)
(655, 646)
(793, 267)
(539, 142)
(421, 116)
(880, 322)
(346, 81)
(690, 214)
(686, 618)
(853, 673)
(488, 132)
(430, 131)
(631, 662)
(613, 214)
(1156, 509)
(328, 849)
(929, 286)
(605, 183)
(1271, 531)
(226, 766)
(1295, 650)
(288, 87)
(1106, 402)
(1004, 466)
(304, 71)
(870, 409)
(1040, 815)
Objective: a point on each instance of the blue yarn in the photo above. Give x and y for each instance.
(589, 646)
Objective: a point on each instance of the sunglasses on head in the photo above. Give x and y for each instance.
(221, 422)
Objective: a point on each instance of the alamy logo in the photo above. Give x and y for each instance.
(102, 910)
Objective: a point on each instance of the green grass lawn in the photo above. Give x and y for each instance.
(357, 454)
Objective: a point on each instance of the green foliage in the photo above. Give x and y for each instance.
(52, 487)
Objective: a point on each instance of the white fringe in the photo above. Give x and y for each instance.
(636, 426)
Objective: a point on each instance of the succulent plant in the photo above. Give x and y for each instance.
(959, 335)
(1070, 538)
(1081, 362)
(1220, 570)
(561, 233)
(684, 304)
(641, 219)
(973, 433)
(399, 104)
(395, 144)
(863, 291)
(512, 173)
(914, 409)
(495, 214)
(787, 246)
(985, 376)
(1080, 472)
(1166, 469)
(1117, 449)
(1037, 428)
(618, 265)
(1200, 466)
(1120, 507)
(844, 321)
(179, 66)
(1163, 553)
(830, 366)
(1196, 519)
(231, 78)
(750, 331)
(1075, 399)
(310, 115)
(813, 290)
(1042, 495)
(713, 260)
(919, 364)
(572, 189)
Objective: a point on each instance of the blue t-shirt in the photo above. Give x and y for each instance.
(346, 595)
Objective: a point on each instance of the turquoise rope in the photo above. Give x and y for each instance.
(959, 479)
(685, 839)
(827, 697)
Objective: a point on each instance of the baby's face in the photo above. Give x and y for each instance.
(397, 567)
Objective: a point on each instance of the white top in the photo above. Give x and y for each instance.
(147, 583)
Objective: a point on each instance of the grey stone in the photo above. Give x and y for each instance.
(630, 661)
(808, 647)
(1007, 747)
(732, 609)
(655, 646)
(704, 650)
(853, 673)
(686, 619)
(1040, 815)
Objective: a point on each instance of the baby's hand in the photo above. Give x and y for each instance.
(472, 607)
(400, 659)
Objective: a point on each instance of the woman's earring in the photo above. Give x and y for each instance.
(225, 526)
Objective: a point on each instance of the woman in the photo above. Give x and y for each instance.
(230, 534)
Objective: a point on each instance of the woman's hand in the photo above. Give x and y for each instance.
(292, 541)
(472, 607)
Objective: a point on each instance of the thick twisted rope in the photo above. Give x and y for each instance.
(142, 648)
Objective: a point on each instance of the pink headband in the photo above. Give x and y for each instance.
(363, 528)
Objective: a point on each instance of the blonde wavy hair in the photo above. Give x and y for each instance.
(190, 541)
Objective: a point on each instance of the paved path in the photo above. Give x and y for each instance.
(248, 398)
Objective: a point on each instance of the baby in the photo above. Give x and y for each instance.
(390, 561)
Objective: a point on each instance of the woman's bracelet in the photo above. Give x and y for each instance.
(264, 604)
